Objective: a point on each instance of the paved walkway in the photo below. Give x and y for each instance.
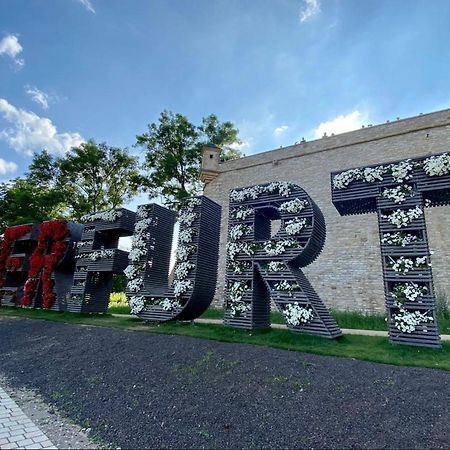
(16, 429)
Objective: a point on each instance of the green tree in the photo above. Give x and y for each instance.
(21, 202)
(97, 177)
(173, 153)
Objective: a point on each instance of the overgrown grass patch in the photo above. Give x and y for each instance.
(375, 349)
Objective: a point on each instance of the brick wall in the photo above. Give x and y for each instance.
(347, 275)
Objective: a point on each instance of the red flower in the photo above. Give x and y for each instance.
(51, 236)
(11, 234)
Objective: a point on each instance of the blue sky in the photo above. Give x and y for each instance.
(279, 69)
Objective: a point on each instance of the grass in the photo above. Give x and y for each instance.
(375, 349)
(345, 319)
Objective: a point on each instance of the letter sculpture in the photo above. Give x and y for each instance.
(192, 291)
(51, 265)
(99, 258)
(261, 268)
(398, 193)
(16, 247)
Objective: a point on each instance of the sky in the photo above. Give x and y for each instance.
(71, 70)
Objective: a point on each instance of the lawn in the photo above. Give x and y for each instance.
(345, 319)
(376, 349)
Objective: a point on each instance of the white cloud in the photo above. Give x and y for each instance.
(340, 124)
(280, 130)
(239, 146)
(10, 46)
(29, 132)
(38, 96)
(88, 5)
(7, 167)
(310, 9)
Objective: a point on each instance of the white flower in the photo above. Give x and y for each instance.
(168, 304)
(182, 269)
(401, 171)
(399, 239)
(275, 248)
(186, 236)
(402, 218)
(132, 271)
(235, 248)
(372, 174)
(106, 216)
(409, 291)
(183, 252)
(285, 286)
(398, 194)
(241, 213)
(437, 165)
(404, 265)
(293, 206)
(343, 179)
(407, 321)
(237, 231)
(297, 315)
(275, 266)
(135, 284)
(294, 226)
(95, 255)
(187, 218)
(180, 287)
(137, 304)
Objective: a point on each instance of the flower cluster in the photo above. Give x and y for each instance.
(106, 216)
(297, 315)
(402, 171)
(433, 166)
(275, 248)
(81, 244)
(398, 194)
(399, 239)
(285, 286)
(240, 266)
(137, 304)
(402, 218)
(180, 287)
(236, 293)
(241, 213)
(240, 195)
(294, 226)
(293, 206)
(275, 266)
(407, 321)
(42, 264)
(234, 248)
(409, 291)
(404, 265)
(437, 165)
(238, 231)
(11, 234)
(96, 254)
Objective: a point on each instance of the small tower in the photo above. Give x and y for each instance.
(210, 162)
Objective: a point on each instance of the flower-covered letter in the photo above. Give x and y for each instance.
(194, 275)
(263, 266)
(399, 193)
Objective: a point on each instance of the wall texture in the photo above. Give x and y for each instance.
(348, 274)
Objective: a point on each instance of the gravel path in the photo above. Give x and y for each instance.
(141, 390)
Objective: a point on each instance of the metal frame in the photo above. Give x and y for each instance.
(361, 197)
(310, 242)
(156, 261)
(92, 280)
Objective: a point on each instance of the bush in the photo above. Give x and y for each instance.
(118, 299)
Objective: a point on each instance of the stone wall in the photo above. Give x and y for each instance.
(348, 274)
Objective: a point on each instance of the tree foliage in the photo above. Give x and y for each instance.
(97, 177)
(173, 153)
(90, 178)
